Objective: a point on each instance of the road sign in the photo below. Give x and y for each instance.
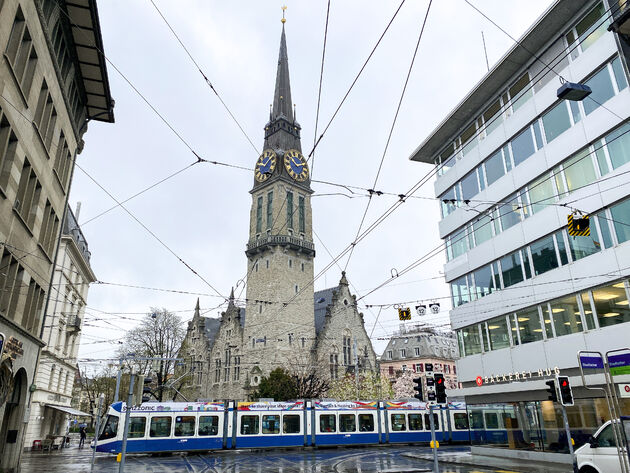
(591, 362)
(619, 364)
(624, 390)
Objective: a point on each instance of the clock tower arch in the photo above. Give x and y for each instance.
(280, 249)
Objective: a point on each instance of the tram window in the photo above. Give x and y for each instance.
(508, 421)
(271, 424)
(327, 423)
(415, 421)
(291, 424)
(347, 423)
(111, 428)
(398, 422)
(208, 425)
(184, 426)
(137, 427)
(250, 425)
(492, 420)
(461, 421)
(427, 422)
(366, 422)
(160, 427)
(476, 420)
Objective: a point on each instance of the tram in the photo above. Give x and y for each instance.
(204, 426)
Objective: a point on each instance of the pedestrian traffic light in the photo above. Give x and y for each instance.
(566, 395)
(440, 388)
(418, 387)
(551, 390)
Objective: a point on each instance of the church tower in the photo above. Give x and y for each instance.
(279, 326)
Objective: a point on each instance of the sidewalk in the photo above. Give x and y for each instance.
(466, 458)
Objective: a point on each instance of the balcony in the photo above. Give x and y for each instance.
(264, 242)
(73, 323)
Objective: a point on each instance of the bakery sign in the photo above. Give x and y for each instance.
(517, 376)
(13, 347)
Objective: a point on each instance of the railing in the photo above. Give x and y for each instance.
(283, 240)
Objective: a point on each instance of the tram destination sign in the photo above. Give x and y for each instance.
(592, 362)
(619, 364)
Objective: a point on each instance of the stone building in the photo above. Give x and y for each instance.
(53, 81)
(57, 367)
(412, 349)
(284, 322)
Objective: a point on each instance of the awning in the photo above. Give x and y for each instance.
(69, 410)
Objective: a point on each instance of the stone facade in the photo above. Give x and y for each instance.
(48, 95)
(57, 367)
(287, 325)
(411, 350)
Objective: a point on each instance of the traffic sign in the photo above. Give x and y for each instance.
(619, 364)
(624, 390)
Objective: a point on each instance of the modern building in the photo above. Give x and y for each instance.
(513, 162)
(411, 349)
(57, 369)
(53, 81)
(284, 323)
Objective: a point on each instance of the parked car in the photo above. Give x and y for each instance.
(599, 454)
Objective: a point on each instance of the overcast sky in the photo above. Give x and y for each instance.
(202, 214)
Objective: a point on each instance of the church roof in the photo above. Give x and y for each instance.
(322, 300)
(282, 104)
(211, 329)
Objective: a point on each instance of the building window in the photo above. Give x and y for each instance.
(417, 351)
(484, 281)
(390, 354)
(269, 210)
(8, 146)
(28, 194)
(511, 269)
(237, 368)
(63, 161)
(565, 313)
(48, 229)
(290, 339)
(621, 219)
(259, 207)
(11, 282)
(418, 367)
(523, 144)
(529, 327)
(301, 214)
(217, 370)
(544, 255)
(303, 342)
(290, 263)
(556, 121)
(334, 366)
(21, 53)
(390, 370)
(585, 33)
(611, 304)
(403, 353)
(471, 340)
(290, 210)
(347, 355)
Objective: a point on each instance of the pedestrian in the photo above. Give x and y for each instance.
(83, 435)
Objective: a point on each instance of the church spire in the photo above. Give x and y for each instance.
(282, 105)
(197, 314)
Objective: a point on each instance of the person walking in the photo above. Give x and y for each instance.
(83, 435)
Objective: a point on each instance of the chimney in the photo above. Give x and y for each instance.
(77, 211)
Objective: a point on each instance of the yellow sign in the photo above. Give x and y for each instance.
(434, 444)
(118, 457)
(404, 314)
(578, 226)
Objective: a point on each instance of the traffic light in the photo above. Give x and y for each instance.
(418, 387)
(440, 388)
(566, 395)
(551, 390)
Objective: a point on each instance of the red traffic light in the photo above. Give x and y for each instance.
(440, 380)
(564, 383)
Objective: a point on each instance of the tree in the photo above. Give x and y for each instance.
(310, 379)
(403, 387)
(371, 386)
(279, 385)
(159, 335)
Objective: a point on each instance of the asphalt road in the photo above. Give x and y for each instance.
(336, 460)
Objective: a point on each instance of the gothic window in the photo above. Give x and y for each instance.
(290, 210)
(302, 267)
(346, 351)
(237, 368)
(303, 342)
(290, 339)
(267, 264)
(217, 370)
(259, 207)
(301, 214)
(334, 366)
(269, 210)
(199, 372)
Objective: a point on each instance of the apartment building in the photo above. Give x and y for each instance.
(513, 162)
(53, 81)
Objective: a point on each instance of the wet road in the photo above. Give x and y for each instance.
(337, 460)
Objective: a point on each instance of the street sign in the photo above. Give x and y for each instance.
(624, 390)
(619, 364)
(591, 362)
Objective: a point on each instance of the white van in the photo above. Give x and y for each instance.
(599, 455)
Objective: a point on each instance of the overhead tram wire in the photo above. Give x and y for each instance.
(205, 77)
(150, 232)
(321, 79)
(391, 130)
(355, 79)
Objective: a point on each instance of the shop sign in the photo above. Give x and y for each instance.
(592, 362)
(619, 364)
(624, 390)
(14, 347)
(519, 376)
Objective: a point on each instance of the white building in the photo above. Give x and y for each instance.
(513, 161)
(57, 368)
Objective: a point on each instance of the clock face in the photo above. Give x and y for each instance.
(295, 165)
(265, 165)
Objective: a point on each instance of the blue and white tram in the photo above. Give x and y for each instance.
(202, 426)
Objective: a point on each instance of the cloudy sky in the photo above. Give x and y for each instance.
(202, 213)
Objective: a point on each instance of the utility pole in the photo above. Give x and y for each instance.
(123, 450)
(569, 438)
(101, 398)
(436, 466)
